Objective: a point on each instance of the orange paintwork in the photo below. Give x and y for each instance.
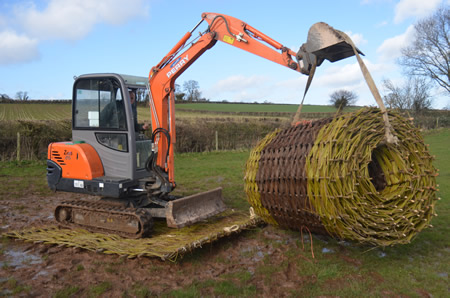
(78, 161)
(162, 77)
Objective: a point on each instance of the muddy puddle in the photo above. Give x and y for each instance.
(17, 258)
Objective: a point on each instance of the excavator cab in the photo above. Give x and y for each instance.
(104, 116)
(103, 119)
(108, 157)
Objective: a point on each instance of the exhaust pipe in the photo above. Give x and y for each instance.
(324, 42)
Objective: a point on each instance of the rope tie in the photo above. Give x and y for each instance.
(390, 138)
(252, 213)
(231, 229)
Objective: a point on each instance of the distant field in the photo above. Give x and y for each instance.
(35, 111)
(45, 111)
(237, 107)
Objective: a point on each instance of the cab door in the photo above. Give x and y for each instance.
(102, 117)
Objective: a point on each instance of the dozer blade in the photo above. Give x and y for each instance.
(191, 209)
(325, 42)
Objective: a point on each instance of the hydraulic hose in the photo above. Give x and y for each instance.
(150, 164)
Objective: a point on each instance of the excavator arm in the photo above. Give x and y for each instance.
(320, 46)
(133, 197)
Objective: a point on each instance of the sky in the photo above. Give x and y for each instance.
(45, 43)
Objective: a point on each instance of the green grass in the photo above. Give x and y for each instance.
(48, 111)
(139, 290)
(231, 287)
(68, 291)
(212, 110)
(338, 269)
(409, 269)
(197, 172)
(79, 267)
(237, 107)
(29, 173)
(35, 111)
(97, 290)
(14, 287)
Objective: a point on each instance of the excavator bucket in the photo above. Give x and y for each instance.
(194, 208)
(325, 42)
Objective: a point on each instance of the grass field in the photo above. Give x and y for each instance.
(420, 268)
(402, 270)
(339, 268)
(35, 111)
(259, 108)
(38, 111)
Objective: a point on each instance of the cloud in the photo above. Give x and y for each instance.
(390, 49)
(367, 2)
(239, 82)
(58, 20)
(72, 20)
(357, 38)
(414, 8)
(2, 21)
(347, 76)
(381, 24)
(327, 80)
(16, 48)
(240, 88)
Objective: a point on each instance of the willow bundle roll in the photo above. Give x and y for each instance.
(339, 177)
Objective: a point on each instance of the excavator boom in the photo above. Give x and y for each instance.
(323, 42)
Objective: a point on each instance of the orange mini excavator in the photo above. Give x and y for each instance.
(132, 174)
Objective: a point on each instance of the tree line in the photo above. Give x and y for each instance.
(20, 95)
(189, 92)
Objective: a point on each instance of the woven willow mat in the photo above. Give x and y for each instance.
(165, 243)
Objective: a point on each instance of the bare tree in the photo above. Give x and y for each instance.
(5, 98)
(191, 88)
(397, 97)
(343, 98)
(413, 95)
(428, 55)
(21, 95)
(179, 95)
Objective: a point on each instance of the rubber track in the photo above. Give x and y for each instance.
(144, 218)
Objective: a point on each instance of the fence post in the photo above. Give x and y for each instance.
(437, 122)
(18, 147)
(217, 141)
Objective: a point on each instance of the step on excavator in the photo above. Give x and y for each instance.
(132, 174)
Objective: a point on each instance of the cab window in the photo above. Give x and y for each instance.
(99, 104)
